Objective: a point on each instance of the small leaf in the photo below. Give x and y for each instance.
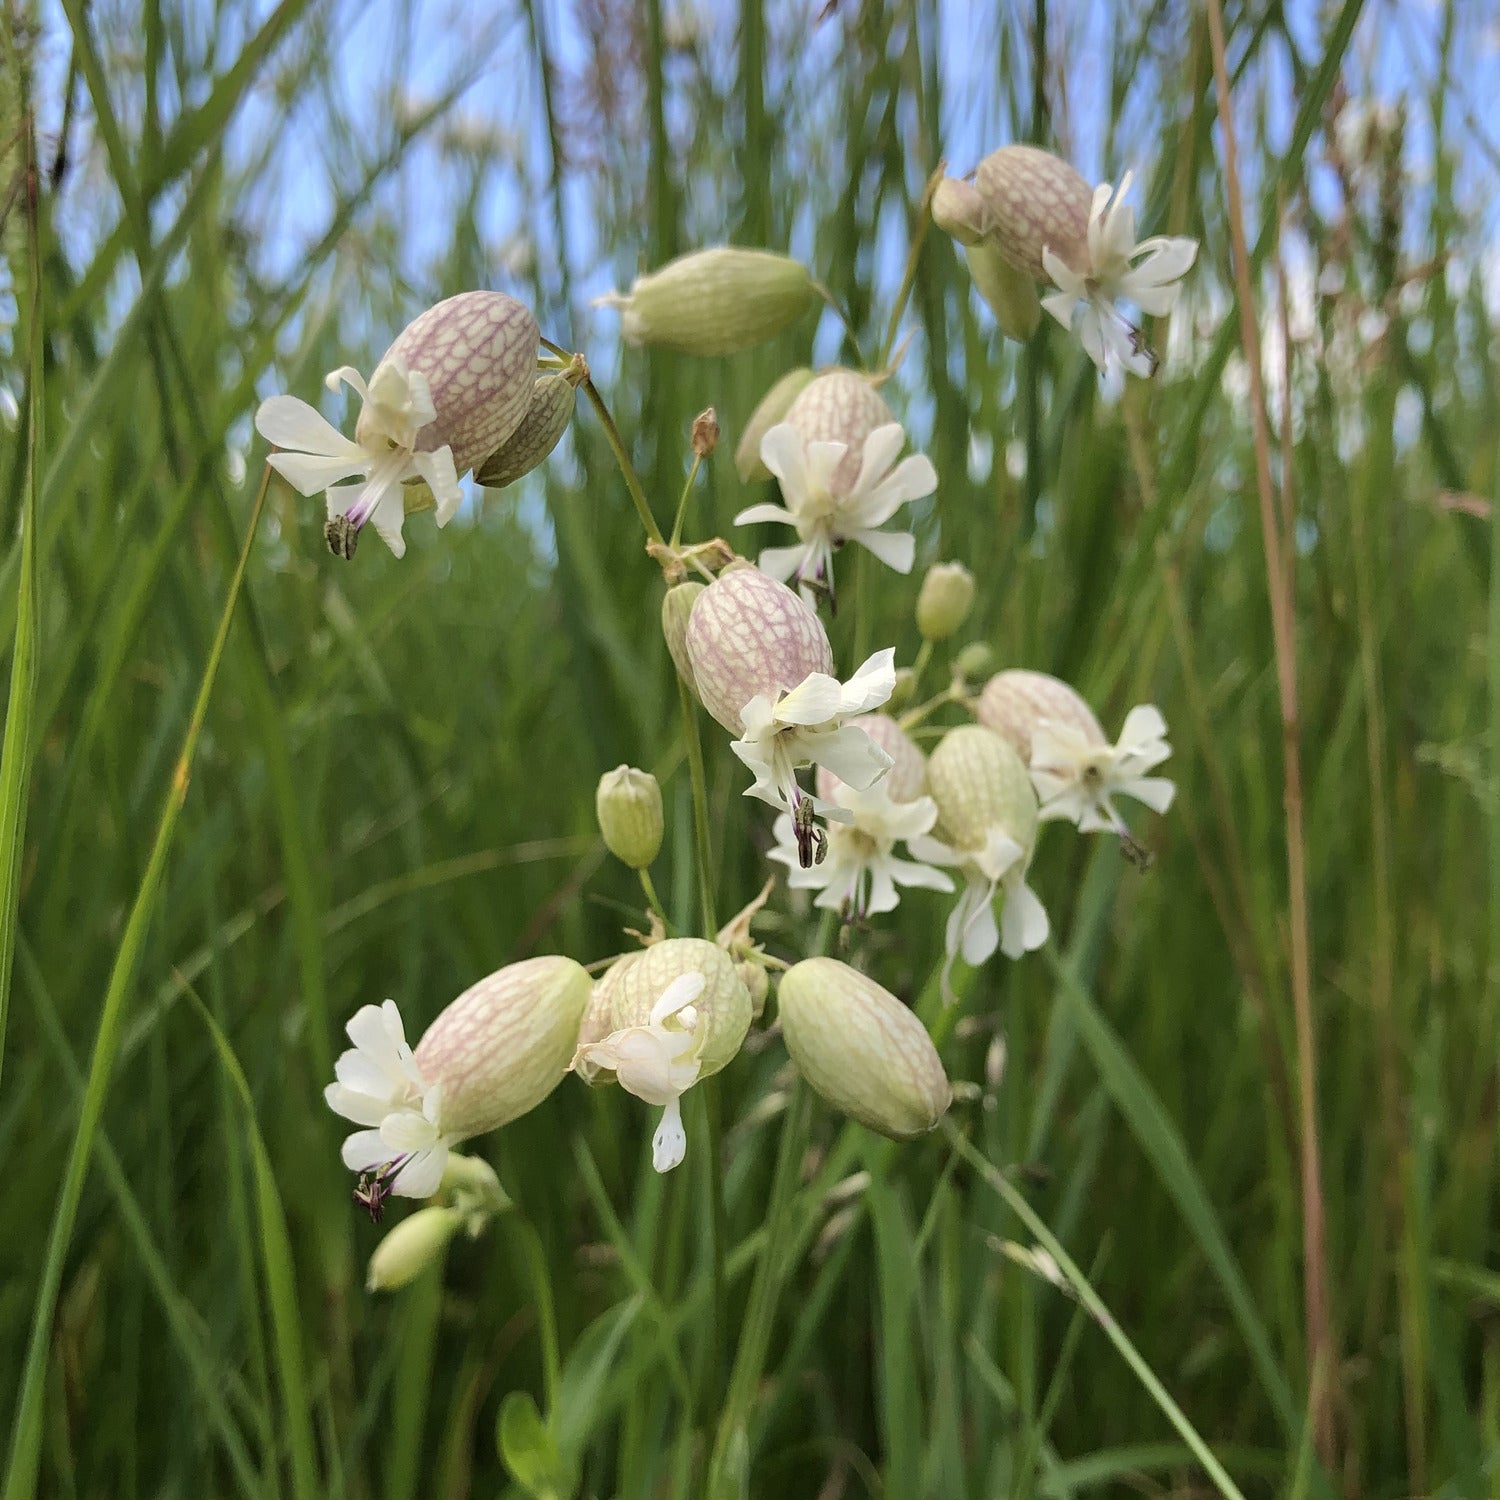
(528, 1448)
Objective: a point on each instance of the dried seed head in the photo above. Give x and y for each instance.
(1010, 293)
(772, 409)
(861, 1049)
(1035, 200)
(676, 606)
(1014, 701)
(413, 1245)
(839, 406)
(500, 1048)
(958, 208)
(907, 778)
(945, 600)
(980, 785)
(717, 301)
(478, 354)
(628, 805)
(724, 1008)
(705, 436)
(539, 432)
(749, 634)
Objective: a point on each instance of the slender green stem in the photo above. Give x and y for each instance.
(843, 318)
(909, 275)
(725, 1467)
(920, 665)
(687, 490)
(700, 811)
(1091, 1301)
(912, 717)
(26, 1438)
(652, 899)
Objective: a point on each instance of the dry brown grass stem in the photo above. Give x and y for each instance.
(1321, 1358)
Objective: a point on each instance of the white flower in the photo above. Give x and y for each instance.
(397, 405)
(998, 866)
(860, 873)
(657, 1062)
(1117, 273)
(1076, 778)
(825, 520)
(380, 1086)
(806, 727)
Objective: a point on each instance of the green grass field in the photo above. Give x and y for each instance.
(247, 787)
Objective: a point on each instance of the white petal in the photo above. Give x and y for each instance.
(881, 447)
(437, 469)
(681, 992)
(406, 1130)
(669, 1144)
(913, 478)
(1062, 306)
(871, 685)
(422, 1175)
(1142, 724)
(781, 451)
(851, 755)
(883, 896)
(353, 1104)
(781, 562)
(308, 473)
(364, 1150)
(896, 549)
(909, 872)
(347, 375)
(755, 514)
(1069, 282)
(1025, 924)
(815, 700)
(822, 459)
(934, 852)
(1156, 792)
(290, 423)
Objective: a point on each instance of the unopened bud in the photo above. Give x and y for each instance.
(1015, 701)
(772, 409)
(717, 301)
(757, 983)
(904, 690)
(839, 406)
(540, 430)
(413, 1245)
(723, 1008)
(958, 208)
(980, 785)
(974, 660)
(750, 635)
(477, 352)
(1035, 201)
(705, 433)
(628, 804)
(676, 607)
(470, 1185)
(861, 1049)
(500, 1048)
(1010, 293)
(944, 603)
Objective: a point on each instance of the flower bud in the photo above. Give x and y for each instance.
(705, 436)
(861, 1049)
(1035, 201)
(747, 635)
(676, 607)
(974, 660)
(470, 1185)
(757, 982)
(840, 407)
(500, 1048)
(540, 430)
(944, 603)
(772, 409)
(478, 353)
(413, 1245)
(1015, 701)
(1011, 294)
(628, 804)
(980, 785)
(959, 209)
(724, 1008)
(717, 301)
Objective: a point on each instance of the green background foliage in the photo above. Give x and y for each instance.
(392, 767)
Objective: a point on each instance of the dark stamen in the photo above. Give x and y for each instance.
(373, 1188)
(342, 536)
(812, 842)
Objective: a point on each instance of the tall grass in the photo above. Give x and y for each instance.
(378, 778)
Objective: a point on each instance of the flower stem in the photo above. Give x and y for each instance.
(913, 717)
(700, 810)
(687, 490)
(909, 276)
(843, 318)
(919, 666)
(652, 899)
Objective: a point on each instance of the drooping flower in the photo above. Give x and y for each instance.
(449, 391)
(1118, 270)
(763, 666)
(1074, 768)
(806, 727)
(987, 815)
(679, 1012)
(824, 517)
(492, 1055)
(860, 872)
